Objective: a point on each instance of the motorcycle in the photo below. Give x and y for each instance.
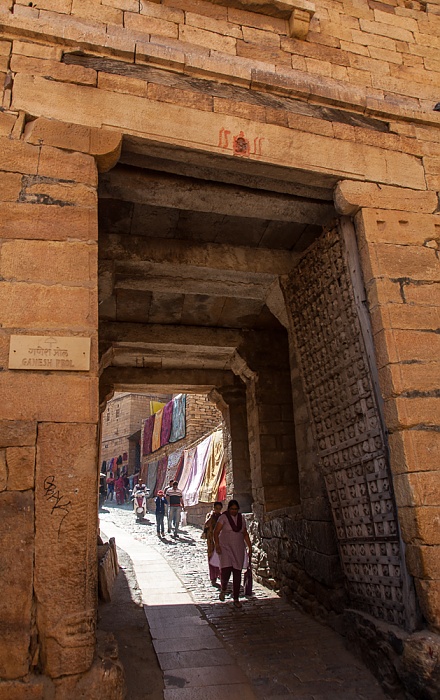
(140, 503)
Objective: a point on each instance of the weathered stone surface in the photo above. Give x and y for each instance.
(350, 196)
(414, 450)
(28, 396)
(57, 163)
(423, 561)
(65, 556)
(396, 227)
(38, 221)
(429, 598)
(33, 690)
(421, 664)
(18, 156)
(17, 559)
(10, 184)
(104, 680)
(40, 306)
(17, 433)
(48, 262)
(420, 524)
(21, 468)
(3, 470)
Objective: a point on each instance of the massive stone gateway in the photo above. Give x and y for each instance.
(266, 181)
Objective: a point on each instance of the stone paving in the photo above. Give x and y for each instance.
(268, 650)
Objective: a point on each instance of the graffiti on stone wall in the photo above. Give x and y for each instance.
(60, 504)
(347, 428)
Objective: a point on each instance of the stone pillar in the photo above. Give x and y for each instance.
(48, 288)
(400, 259)
(271, 424)
(235, 399)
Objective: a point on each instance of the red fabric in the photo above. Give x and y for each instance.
(179, 468)
(161, 473)
(148, 435)
(221, 494)
(167, 422)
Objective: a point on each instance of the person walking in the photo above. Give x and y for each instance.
(230, 536)
(208, 533)
(110, 486)
(167, 507)
(120, 491)
(161, 503)
(175, 500)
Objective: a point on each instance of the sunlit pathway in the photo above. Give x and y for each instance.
(207, 649)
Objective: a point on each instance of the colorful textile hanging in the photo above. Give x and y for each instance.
(221, 493)
(213, 472)
(167, 422)
(191, 491)
(161, 471)
(155, 406)
(155, 442)
(151, 476)
(179, 468)
(188, 459)
(148, 434)
(173, 463)
(178, 430)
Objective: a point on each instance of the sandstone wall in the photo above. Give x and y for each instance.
(353, 103)
(389, 49)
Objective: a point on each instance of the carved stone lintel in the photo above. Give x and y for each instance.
(298, 12)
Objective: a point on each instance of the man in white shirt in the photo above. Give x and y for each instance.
(174, 497)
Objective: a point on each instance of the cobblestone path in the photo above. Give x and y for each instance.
(283, 652)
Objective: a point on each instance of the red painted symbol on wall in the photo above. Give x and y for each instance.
(223, 138)
(241, 146)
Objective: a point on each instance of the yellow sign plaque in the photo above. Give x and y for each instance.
(45, 352)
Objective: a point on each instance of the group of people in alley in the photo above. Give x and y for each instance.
(229, 546)
(228, 542)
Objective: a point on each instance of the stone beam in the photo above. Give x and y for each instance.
(142, 335)
(144, 379)
(215, 256)
(164, 278)
(164, 190)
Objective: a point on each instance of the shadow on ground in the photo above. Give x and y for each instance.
(124, 616)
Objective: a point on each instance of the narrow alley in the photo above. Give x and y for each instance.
(268, 650)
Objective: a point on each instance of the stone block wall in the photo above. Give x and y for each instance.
(48, 420)
(400, 261)
(388, 50)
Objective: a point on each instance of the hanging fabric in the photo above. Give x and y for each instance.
(155, 441)
(151, 476)
(148, 427)
(188, 460)
(167, 421)
(221, 493)
(178, 430)
(161, 471)
(179, 468)
(173, 462)
(191, 492)
(155, 406)
(213, 471)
